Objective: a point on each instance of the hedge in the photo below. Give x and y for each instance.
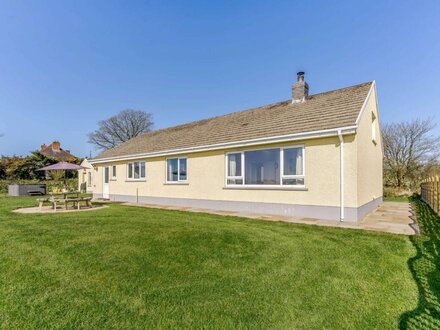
(72, 184)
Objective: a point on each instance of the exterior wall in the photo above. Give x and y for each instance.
(369, 155)
(83, 175)
(207, 171)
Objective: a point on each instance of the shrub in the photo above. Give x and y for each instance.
(72, 184)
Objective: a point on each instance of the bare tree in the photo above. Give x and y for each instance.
(409, 150)
(124, 126)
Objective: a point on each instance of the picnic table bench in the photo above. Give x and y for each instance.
(54, 200)
(77, 202)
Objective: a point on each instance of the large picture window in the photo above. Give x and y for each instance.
(177, 170)
(136, 171)
(266, 167)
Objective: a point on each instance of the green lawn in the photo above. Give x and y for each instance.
(129, 267)
(397, 199)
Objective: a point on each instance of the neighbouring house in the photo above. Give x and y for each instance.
(85, 177)
(54, 150)
(317, 156)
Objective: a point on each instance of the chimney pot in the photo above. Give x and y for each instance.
(300, 89)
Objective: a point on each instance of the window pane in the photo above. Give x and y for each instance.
(142, 170)
(235, 181)
(293, 161)
(89, 179)
(114, 171)
(106, 175)
(293, 182)
(136, 170)
(262, 166)
(130, 170)
(234, 164)
(172, 169)
(182, 169)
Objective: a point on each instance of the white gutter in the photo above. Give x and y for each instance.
(341, 149)
(236, 144)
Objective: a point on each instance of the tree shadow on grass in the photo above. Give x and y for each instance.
(425, 268)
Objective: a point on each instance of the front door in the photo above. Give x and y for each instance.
(105, 184)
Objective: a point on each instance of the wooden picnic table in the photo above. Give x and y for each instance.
(65, 198)
(65, 194)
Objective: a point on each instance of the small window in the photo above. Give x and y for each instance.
(106, 174)
(373, 127)
(114, 172)
(235, 168)
(293, 166)
(136, 171)
(177, 170)
(89, 179)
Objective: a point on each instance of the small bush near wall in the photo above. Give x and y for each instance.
(72, 184)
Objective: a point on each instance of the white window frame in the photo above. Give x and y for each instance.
(179, 181)
(235, 177)
(89, 179)
(282, 176)
(114, 172)
(144, 178)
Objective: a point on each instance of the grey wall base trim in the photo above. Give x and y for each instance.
(363, 210)
(308, 211)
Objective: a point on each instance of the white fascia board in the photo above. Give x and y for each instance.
(364, 105)
(275, 139)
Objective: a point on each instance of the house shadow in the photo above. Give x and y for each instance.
(425, 269)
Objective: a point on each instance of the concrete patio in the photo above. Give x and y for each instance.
(50, 210)
(390, 217)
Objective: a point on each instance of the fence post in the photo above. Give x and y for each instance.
(431, 193)
(434, 194)
(437, 184)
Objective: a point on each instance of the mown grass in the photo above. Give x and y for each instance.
(425, 267)
(129, 267)
(403, 199)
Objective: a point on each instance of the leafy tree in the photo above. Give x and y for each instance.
(410, 150)
(3, 167)
(117, 129)
(27, 168)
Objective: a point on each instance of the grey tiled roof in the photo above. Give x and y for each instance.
(334, 109)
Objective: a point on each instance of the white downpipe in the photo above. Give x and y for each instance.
(341, 140)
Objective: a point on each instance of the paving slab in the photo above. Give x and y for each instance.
(50, 210)
(389, 217)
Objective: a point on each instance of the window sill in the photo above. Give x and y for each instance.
(136, 180)
(295, 188)
(113, 179)
(177, 183)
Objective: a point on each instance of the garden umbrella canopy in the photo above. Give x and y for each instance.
(62, 166)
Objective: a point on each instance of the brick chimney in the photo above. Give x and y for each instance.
(56, 145)
(300, 89)
(43, 147)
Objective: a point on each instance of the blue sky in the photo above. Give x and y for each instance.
(64, 65)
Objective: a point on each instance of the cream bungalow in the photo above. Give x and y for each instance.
(316, 156)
